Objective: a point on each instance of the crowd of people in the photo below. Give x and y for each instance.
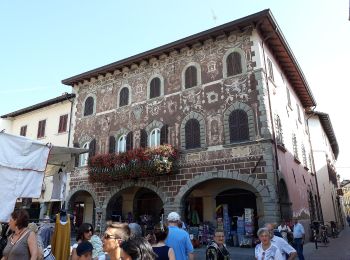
(166, 242)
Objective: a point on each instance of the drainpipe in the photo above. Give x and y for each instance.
(313, 162)
(70, 118)
(272, 126)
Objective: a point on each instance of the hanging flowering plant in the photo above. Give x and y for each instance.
(140, 162)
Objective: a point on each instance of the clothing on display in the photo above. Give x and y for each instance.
(22, 166)
(60, 243)
(45, 233)
(59, 185)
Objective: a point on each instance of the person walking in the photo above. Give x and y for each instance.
(287, 251)
(22, 244)
(299, 238)
(266, 250)
(217, 250)
(137, 248)
(178, 239)
(284, 230)
(113, 237)
(162, 251)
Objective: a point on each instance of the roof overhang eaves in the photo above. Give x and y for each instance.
(39, 105)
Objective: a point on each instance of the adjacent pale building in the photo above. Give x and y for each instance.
(49, 122)
(325, 153)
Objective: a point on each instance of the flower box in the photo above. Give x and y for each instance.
(137, 163)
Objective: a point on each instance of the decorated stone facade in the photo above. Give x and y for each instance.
(219, 162)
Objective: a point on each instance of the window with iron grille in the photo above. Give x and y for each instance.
(191, 77)
(124, 97)
(155, 87)
(238, 124)
(295, 146)
(23, 131)
(192, 134)
(270, 68)
(234, 64)
(303, 151)
(89, 106)
(41, 128)
(279, 130)
(62, 126)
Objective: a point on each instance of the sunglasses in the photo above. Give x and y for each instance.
(108, 236)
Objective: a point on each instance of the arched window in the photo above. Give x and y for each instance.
(238, 124)
(234, 64)
(89, 106)
(83, 159)
(154, 138)
(124, 97)
(155, 87)
(191, 77)
(121, 145)
(192, 134)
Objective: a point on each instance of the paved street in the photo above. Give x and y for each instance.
(337, 249)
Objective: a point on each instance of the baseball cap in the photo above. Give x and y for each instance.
(84, 247)
(173, 216)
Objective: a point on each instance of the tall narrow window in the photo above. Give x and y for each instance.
(83, 159)
(191, 77)
(121, 144)
(192, 134)
(238, 124)
(234, 64)
(89, 106)
(154, 89)
(124, 97)
(154, 138)
(298, 110)
(279, 131)
(23, 131)
(270, 68)
(62, 126)
(295, 146)
(143, 138)
(111, 148)
(41, 129)
(288, 97)
(129, 141)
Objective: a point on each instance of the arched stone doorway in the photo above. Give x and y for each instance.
(147, 202)
(82, 206)
(286, 205)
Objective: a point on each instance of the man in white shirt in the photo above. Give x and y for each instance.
(299, 237)
(284, 230)
(288, 252)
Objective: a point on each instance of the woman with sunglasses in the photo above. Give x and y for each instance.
(266, 250)
(114, 235)
(84, 233)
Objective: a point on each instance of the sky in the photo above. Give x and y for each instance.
(44, 42)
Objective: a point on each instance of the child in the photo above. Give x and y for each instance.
(84, 250)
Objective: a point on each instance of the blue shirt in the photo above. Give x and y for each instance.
(298, 231)
(179, 240)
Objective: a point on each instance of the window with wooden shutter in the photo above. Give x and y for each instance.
(89, 106)
(143, 138)
(129, 141)
(92, 148)
(62, 127)
(234, 64)
(124, 97)
(154, 89)
(23, 131)
(192, 134)
(41, 129)
(164, 134)
(191, 77)
(238, 124)
(111, 148)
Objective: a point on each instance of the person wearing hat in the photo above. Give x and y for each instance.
(178, 239)
(84, 250)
